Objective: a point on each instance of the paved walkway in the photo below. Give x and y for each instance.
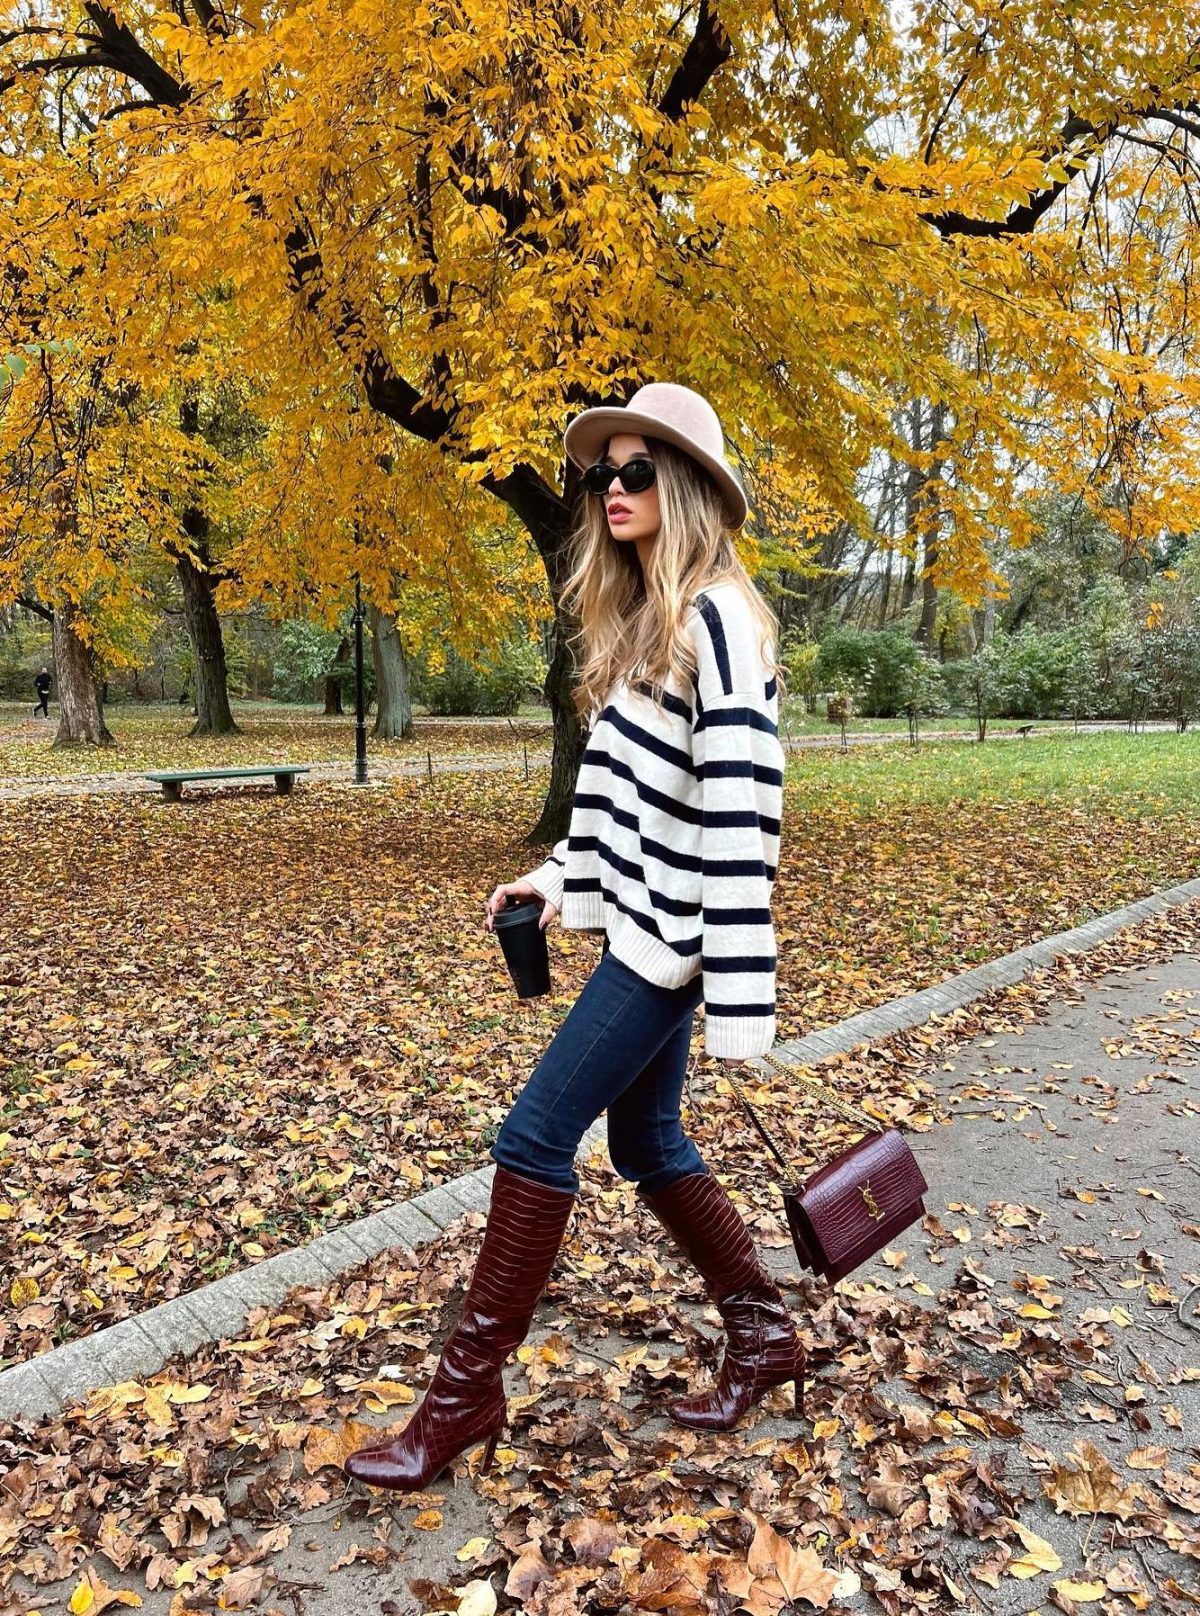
(1046, 1304)
(134, 782)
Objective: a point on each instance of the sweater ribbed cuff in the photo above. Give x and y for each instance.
(738, 1036)
(548, 880)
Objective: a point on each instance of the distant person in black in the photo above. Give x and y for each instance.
(41, 684)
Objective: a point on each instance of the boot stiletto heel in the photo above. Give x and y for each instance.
(485, 1464)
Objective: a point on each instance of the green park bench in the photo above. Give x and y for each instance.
(173, 782)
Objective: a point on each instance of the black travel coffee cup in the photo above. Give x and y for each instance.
(524, 944)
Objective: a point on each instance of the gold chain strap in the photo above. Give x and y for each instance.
(827, 1095)
(848, 1112)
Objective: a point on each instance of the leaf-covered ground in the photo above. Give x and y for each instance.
(999, 1409)
(229, 1024)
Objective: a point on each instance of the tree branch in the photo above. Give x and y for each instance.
(1022, 219)
(36, 607)
(707, 49)
(113, 46)
(1188, 125)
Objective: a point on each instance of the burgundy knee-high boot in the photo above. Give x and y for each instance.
(465, 1402)
(761, 1346)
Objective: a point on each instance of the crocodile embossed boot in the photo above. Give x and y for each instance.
(465, 1401)
(761, 1346)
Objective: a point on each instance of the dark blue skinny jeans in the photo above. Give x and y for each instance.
(623, 1047)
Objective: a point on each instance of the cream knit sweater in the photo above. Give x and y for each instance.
(673, 843)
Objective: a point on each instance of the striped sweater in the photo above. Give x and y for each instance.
(673, 842)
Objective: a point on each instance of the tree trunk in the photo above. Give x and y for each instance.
(80, 712)
(333, 681)
(393, 711)
(211, 679)
(929, 521)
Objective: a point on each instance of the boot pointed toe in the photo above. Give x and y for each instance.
(382, 1467)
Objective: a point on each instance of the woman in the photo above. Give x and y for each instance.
(671, 852)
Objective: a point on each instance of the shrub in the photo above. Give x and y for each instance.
(496, 687)
(884, 669)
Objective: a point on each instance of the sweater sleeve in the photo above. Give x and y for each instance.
(548, 877)
(740, 763)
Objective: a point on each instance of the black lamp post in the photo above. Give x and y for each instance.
(360, 707)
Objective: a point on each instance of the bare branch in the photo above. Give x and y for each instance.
(1188, 125)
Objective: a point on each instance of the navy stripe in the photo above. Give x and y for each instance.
(681, 812)
(646, 921)
(672, 857)
(670, 702)
(731, 717)
(740, 962)
(712, 1009)
(771, 687)
(735, 866)
(656, 799)
(716, 633)
(739, 769)
(737, 917)
(635, 872)
(605, 805)
(674, 755)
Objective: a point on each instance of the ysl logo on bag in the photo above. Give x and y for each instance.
(873, 1206)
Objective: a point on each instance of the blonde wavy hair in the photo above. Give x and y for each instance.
(627, 621)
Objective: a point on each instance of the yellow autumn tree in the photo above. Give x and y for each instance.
(473, 222)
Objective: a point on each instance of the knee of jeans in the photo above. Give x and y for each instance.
(534, 1160)
(642, 1161)
(633, 1157)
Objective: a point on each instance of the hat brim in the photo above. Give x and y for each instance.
(587, 434)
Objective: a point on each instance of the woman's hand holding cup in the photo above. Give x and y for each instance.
(519, 889)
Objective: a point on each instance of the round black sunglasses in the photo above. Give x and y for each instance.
(636, 476)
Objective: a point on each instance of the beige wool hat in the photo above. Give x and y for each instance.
(662, 410)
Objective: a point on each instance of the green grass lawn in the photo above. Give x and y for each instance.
(1144, 774)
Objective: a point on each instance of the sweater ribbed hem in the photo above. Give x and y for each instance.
(738, 1036)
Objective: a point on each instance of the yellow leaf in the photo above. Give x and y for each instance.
(94, 1595)
(1081, 1593)
(384, 1394)
(472, 1548)
(1038, 1556)
(25, 1289)
(157, 1408)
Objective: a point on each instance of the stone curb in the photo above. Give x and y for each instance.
(139, 1347)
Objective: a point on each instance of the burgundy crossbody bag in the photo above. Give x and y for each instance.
(849, 1209)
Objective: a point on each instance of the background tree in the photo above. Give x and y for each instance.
(472, 231)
